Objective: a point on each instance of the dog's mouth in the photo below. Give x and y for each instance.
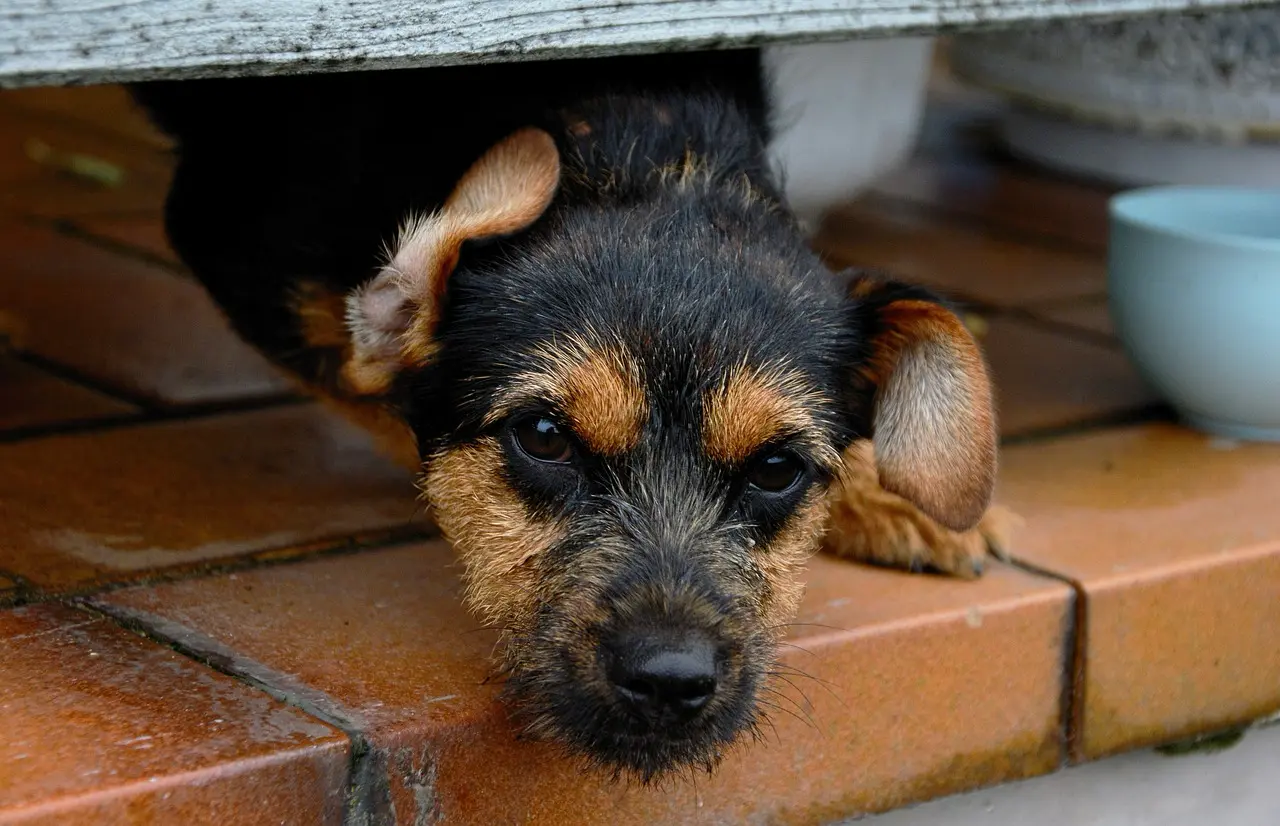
(644, 705)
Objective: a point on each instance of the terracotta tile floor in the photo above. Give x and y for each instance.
(35, 397)
(74, 159)
(218, 602)
(303, 630)
(104, 726)
(78, 305)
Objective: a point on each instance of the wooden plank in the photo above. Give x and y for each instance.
(58, 42)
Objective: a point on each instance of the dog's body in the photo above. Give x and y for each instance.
(636, 397)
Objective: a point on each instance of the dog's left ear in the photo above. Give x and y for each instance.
(931, 414)
(392, 319)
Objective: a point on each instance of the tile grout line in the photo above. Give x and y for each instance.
(15, 595)
(1155, 412)
(74, 228)
(152, 415)
(1023, 314)
(1074, 661)
(81, 379)
(1064, 303)
(998, 230)
(349, 544)
(1032, 319)
(367, 797)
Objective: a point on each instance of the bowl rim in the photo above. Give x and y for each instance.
(1122, 209)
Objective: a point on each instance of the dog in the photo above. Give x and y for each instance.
(570, 295)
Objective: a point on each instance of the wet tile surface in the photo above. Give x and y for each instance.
(380, 639)
(1182, 652)
(1045, 379)
(921, 685)
(32, 398)
(99, 109)
(1175, 539)
(963, 261)
(104, 726)
(1094, 316)
(124, 322)
(143, 233)
(94, 507)
(53, 166)
(1007, 195)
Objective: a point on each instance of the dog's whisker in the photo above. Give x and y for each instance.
(825, 685)
(794, 647)
(784, 710)
(758, 733)
(784, 625)
(787, 679)
(802, 711)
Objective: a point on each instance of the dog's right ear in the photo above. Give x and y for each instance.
(923, 393)
(392, 319)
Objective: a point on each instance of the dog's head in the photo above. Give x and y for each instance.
(630, 421)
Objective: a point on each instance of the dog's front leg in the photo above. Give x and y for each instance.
(869, 524)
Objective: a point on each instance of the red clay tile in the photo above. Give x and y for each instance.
(958, 259)
(55, 168)
(1175, 539)
(31, 398)
(124, 322)
(1045, 379)
(92, 507)
(105, 109)
(1092, 315)
(104, 726)
(1004, 195)
(380, 639)
(144, 233)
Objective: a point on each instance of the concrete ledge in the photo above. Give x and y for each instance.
(1232, 787)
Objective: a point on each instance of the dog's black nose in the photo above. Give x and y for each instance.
(669, 680)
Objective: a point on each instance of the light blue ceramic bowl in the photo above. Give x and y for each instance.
(1194, 277)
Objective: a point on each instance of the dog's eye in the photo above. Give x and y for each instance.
(544, 440)
(775, 473)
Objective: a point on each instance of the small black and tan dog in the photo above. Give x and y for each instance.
(571, 296)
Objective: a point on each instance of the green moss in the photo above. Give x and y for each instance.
(1204, 743)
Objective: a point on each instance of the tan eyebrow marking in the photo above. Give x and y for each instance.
(756, 405)
(598, 389)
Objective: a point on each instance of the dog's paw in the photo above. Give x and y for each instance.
(874, 526)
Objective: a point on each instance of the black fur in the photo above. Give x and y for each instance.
(667, 237)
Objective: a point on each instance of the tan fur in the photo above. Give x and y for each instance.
(605, 405)
(695, 171)
(935, 427)
(869, 524)
(783, 561)
(755, 405)
(491, 529)
(388, 429)
(393, 318)
(598, 388)
(604, 402)
(322, 316)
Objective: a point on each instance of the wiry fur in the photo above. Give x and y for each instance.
(663, 306)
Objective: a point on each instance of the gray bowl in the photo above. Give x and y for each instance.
(1194, 281)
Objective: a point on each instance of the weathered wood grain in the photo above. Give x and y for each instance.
(47, 42)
